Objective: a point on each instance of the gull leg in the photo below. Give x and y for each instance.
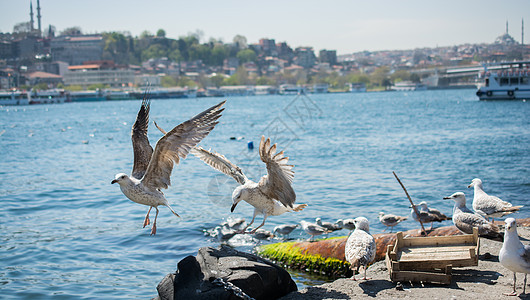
(386, 229)
(432, 223)
(244, 229)
(146, 221)
(391, 229)
(524, 285)
(365, 273)
(153, 229)
(514, 293)
(262, 223)
(353, 276)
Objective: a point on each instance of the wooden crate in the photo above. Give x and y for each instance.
(431, 259)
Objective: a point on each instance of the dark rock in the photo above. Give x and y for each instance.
(165, 287)
(255, 276)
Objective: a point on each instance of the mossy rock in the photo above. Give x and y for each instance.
(299, 255)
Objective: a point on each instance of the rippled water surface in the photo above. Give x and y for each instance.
(66, 232)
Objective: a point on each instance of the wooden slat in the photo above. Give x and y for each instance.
(416, 276)
(438, 240)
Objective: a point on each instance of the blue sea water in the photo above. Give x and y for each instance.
(66, 232)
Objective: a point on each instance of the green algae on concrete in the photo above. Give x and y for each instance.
(294, 256)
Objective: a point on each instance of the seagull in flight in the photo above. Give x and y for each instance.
(273, 195)
(152, 169)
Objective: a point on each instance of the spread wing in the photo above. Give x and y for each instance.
(176, 144)
(141, 148)
(277, 183)
(220, 163)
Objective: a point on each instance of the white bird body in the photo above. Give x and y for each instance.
(328, 225)
(284, 229)
(390, 220)
(464, 219)
(360, 247)
(273, 195)
(514, 256)
(152, 169)
(313, 229)
(263, 205)
(489, 206)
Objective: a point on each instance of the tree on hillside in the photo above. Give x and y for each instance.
(72, 31)
(161, 33)
(218, 54)
(246, 55)
(154, 51)
(118, 48)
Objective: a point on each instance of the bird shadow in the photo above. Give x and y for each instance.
(478, 276)
(372, 287)
(460, 275)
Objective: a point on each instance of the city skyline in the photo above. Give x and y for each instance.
(344, 26)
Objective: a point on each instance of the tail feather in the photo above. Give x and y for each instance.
(511, 210)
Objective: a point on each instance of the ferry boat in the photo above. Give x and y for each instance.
(511, 82)
(91, 95)
(13, 98)
(119, 95)
(47, 96)
(290, 89)
(409, 86)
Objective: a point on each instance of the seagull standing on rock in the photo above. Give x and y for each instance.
(390, 220)
(489, 206)
(152, 169)
(427, 214)
(284, 230)
(313, 229)
(273, 195)
(328, 225)
(360, 247)
(514, 256)
(464, 219)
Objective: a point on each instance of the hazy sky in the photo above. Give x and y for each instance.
(344, 25)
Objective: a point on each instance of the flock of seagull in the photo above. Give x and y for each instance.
(273, 194)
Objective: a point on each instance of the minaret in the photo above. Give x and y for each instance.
(38, 17)
(31, 22)
(522, 31)
(506, 23)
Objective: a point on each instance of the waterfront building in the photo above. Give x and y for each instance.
(99, 72)
(328, 56)
(305, 57)
(75, 50)
(52, 80)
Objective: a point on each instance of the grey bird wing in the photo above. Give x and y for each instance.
(141, 148)
(491, 204)
(389, 219)
(220, 163)
(438, 215)
(277, 183)
(526, 255)
(176, 144)
(466, 221)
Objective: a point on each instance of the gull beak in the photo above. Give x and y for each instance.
(470, 185)
(114, 181)
(233, 207)
(448, 198)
